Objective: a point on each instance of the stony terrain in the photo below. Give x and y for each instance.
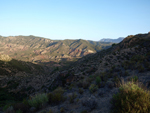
(124, 61)
(88, 85)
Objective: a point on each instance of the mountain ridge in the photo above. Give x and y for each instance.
(39, 49)
(112, 40)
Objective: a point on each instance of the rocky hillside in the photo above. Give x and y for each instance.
(41, 50)
(94, 78)
(12, 75)
(88, 85)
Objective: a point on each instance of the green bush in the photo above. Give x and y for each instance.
(56, 96)
(93, 88)
(134, 79)
(98, 80)
(116, 80)
(131, 99)
(38, 100)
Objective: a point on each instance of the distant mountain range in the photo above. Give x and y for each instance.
(39, 49)
(112, 40)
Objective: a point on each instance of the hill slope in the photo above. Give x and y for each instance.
(13, 74)
(38, 49)
(91, 82)
(96, 77)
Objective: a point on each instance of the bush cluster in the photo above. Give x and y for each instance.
(56, 96)
(84, 83)
(38, 100)
(93, 88)
(131, 98)
(134, 78)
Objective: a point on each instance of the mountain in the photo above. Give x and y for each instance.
(42, 50)
(91, 83)
(100, 44)
(112, 40)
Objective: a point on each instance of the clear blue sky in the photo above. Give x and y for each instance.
(74, 19)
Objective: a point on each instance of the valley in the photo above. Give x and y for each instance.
(87, 85)
(45, 51)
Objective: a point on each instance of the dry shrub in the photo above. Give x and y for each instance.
(93, 88)
(84, 84)
(131, 98)
(56, 96)
(38, 100)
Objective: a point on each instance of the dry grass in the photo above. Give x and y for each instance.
(5, 58)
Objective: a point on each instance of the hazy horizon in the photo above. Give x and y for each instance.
(65, 19)
(60, 39)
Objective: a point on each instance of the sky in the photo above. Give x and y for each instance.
(74, 19)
